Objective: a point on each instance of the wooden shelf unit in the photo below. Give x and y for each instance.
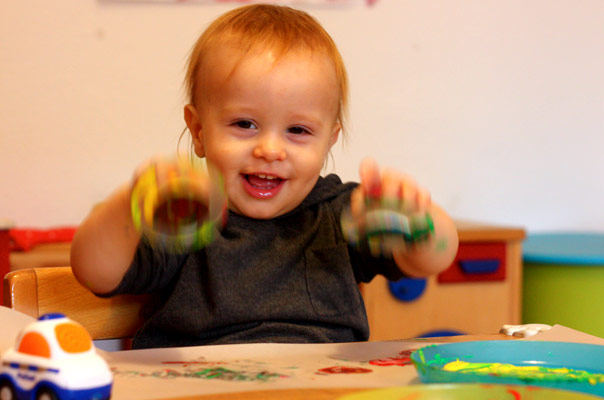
(476, 306)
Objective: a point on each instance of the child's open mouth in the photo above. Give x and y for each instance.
(262, 186)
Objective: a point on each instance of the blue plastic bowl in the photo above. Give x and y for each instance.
(429, 362)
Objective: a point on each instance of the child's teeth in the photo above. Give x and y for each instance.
(262, 176)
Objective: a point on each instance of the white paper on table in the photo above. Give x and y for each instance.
(161, 373)
(560, 333)
(186, 371)
(11, 323)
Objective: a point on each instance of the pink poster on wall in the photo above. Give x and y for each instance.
(285, 2)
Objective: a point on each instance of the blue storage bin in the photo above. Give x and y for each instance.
(564, 280)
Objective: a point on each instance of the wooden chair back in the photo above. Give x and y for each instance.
(38, 291)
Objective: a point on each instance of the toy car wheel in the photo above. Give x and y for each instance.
(7, 391)
(46, 394)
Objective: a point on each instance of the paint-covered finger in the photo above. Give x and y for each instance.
(424, 199)
(142, 169)
(357, 203)
(391, 183)
(409, 194)
(369, 172)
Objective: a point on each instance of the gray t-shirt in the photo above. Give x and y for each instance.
(291, 279)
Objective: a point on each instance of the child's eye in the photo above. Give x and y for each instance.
(298, 130)
(245, 124)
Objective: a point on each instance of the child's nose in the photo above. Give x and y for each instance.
(271, 148)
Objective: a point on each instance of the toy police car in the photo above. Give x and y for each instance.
(54, 359)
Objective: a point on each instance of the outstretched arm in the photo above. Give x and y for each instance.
(424, 258)
(104, 244)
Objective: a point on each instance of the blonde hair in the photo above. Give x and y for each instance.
(260, 27)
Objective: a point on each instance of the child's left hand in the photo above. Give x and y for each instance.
(394, 190)
(424, 252)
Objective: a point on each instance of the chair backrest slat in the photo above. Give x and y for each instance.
(39, 291)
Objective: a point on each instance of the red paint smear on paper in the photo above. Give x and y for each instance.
(403, 358)
(187, 363)
(344, 370)
(515, 394)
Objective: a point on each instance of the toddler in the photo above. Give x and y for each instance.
(267, 100)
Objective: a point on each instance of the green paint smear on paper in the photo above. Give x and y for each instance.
(226, 374)
(214, 373)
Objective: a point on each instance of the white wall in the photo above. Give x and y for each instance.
(496, 106)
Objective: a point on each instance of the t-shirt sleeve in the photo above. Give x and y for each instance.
(152, 268)
(366, 266)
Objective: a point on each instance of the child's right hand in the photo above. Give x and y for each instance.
(170, 203)
(167, 175)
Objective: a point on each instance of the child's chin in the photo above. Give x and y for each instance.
(263, 215)
(261, 212)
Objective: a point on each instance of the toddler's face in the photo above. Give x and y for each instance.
(267, 125)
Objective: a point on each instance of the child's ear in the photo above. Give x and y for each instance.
(335, 133)
(194, 125)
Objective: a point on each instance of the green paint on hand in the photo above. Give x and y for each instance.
(441, 244)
